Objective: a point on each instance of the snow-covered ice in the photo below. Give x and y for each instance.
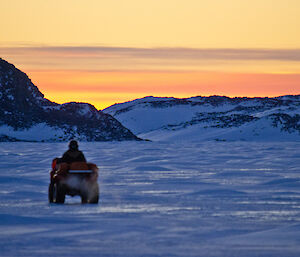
(156, 199)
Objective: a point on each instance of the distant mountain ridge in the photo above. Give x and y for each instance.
(25, 115)
(212, 118)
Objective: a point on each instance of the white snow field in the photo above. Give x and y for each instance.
(157, 199)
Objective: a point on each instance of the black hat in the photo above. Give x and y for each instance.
(73, 145)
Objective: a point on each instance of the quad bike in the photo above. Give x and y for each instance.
(77, 178)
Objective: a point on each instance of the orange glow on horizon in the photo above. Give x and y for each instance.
(103, 89)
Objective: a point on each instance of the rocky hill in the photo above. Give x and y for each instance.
(212, 118)
(25, 115)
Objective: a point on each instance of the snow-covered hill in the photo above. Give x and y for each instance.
(212, 118)
(25, 115)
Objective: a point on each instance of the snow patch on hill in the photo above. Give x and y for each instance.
(39, 132)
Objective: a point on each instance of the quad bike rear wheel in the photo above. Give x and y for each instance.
(91, 195)
(56, 193)
(94, 198)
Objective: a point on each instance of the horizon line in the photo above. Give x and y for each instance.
(181, 98)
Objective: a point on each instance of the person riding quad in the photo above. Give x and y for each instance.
(73, 154)
(72, 175)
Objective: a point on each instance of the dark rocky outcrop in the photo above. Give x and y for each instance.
(23, 106)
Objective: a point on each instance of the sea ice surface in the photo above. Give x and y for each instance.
(156, 199)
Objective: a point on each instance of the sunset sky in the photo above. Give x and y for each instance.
(104, 52)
